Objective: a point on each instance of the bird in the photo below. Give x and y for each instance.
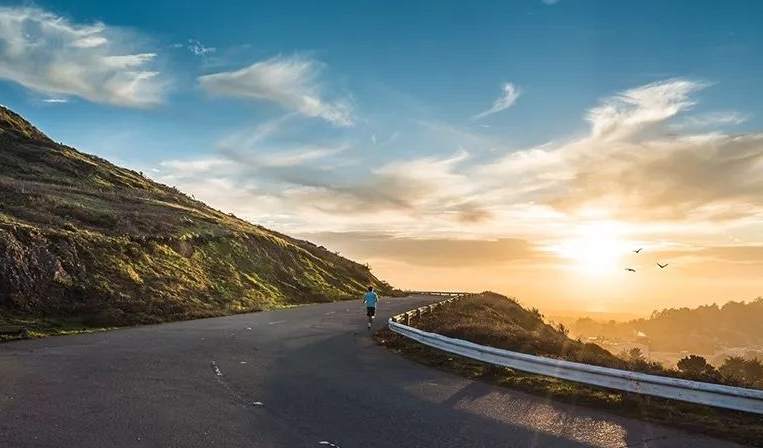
(662, 266)
(637, 250)
(630, 269)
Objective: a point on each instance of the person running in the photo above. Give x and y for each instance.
(370, 299)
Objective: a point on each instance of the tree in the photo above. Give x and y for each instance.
(635, 355)
(748, 372)
(695, 365)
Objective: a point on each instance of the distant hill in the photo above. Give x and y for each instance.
(83, 238)
(705, 329)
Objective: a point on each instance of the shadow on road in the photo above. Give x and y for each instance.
(355, 393)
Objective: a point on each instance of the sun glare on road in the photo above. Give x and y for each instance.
(595, 249)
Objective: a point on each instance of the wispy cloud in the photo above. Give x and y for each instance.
(631, 166)
(642, 108)
(195, 47)
(713, 119)
(291, 82)
(55, 100)
(52, 55)
(508, 97)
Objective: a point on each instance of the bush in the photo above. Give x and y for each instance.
(746, 372)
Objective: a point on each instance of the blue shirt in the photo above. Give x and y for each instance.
(370, 299)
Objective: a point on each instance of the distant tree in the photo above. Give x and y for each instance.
(734, 368)
(635, 355)
(748, 372)
(695, 365)
(562, 329)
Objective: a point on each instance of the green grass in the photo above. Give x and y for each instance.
(491, 319)
(42, 327)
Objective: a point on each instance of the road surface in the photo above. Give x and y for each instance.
(306, 377)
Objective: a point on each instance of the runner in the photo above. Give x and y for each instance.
(370, 299)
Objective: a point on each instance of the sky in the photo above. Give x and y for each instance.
(526, 147)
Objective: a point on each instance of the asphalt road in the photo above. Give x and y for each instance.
(305, 377)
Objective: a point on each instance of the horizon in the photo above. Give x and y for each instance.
(527, 149)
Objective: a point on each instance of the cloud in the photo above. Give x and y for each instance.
(197, 48)
(632, 166)
(642, 108)
(506, 100)
(429, 251)
(51, 55)
(635, 167)
(743, 254)
(290, 82)
(550, 2)
(710, 120)
(55, 100)
(186, 168)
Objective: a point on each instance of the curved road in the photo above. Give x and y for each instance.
(305, 377)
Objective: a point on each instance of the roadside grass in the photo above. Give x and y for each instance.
(38, 327)
(735, 426)
(41, 327)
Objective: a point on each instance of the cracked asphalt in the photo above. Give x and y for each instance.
(304, 377)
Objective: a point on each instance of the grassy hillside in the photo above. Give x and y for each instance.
(498, 321)
(86, 242)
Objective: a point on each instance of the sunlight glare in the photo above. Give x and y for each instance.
(596, 248)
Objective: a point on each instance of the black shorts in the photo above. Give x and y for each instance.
(370, 311)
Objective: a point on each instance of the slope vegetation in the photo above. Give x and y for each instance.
(82, 239)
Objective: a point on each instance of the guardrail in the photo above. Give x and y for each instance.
(440, 293)
(420, 311)
(736, 398)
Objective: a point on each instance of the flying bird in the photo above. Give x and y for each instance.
(630, 269)
(662, 266)
(637, 250)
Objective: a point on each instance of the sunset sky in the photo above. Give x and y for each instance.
(526, 147)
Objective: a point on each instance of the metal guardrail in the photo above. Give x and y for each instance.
(736, 398)
(420, 311)
(440, 293)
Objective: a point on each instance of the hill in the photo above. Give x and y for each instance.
(705, 329)
(83, 240)
(497, 321)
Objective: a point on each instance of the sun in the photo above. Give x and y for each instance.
(595, 248)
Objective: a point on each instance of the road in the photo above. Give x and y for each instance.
(305, 377)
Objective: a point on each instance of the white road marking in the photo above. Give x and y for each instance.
(325, 442)
(249, 328)
(242, 362)
(258, 403)
(216, 369)
(276, 322)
